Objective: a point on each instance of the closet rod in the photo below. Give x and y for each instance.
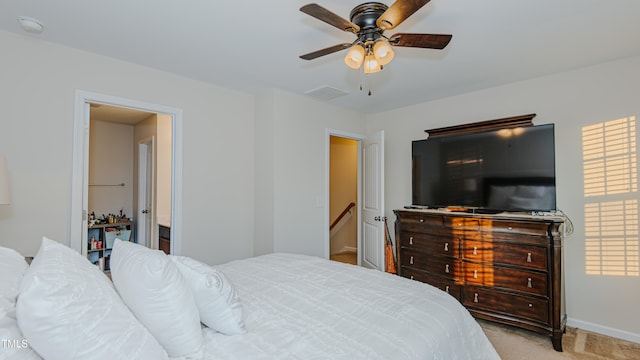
(121, 184)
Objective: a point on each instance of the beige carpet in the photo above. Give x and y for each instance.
(517, 344)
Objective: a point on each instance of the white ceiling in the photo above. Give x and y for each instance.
(249, 45)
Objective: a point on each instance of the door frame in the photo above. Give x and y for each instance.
(327, 236)
(79, 179)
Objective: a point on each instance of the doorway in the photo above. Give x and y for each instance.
(343, 200)
(368, 210)
(172, 179)
(129, 173)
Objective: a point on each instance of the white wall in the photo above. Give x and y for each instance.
(571, 100)
(263, 216)
(37, 90)
(294, 168)
(110, 163)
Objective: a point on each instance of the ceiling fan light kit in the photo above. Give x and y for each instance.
(372, 50)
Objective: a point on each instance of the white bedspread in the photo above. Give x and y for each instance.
(301, 307)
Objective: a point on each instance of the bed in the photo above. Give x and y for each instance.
(306, 307)
(289, 307)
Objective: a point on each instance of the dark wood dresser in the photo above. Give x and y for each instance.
(164, 238)
(503, 268)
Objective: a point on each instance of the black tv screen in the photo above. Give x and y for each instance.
(503, 170)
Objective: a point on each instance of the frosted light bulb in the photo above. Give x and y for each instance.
(371, 64)
(354, 57)
(383, 52)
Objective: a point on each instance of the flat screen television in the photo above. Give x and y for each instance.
(491, 171)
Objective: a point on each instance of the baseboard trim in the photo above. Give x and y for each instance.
(604, 330)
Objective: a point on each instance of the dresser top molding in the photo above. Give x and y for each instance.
(502, 215)
(487, 125)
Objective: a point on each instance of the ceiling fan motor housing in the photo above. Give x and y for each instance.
(365, 16)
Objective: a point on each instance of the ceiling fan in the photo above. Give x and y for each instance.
(368, 23)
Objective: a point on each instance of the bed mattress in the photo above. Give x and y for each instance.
(302, 307)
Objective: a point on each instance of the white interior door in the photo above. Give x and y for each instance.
(85, 178)
(145, 194)
(372, 248)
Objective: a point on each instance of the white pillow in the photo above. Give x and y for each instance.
(155, 291)
(12, 267)
(14, 345)
(68, 309)
(217, 299)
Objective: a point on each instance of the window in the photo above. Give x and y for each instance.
(611, 188)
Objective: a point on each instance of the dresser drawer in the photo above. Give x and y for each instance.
(505, 253)
(437, 265)
(432, 244)
(447, 285)
(422, 223)
(164, 231)
(421, 218)
(509, 304)
(461, 223)
(515, 227)
(530, 282)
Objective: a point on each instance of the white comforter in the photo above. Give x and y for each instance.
(301, 307)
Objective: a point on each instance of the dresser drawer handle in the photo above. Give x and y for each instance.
(446, 246)
(528, 257)
(529, 283)
(475, 250)
(410, 240)
(459, 224)
(411, 277)
(509, 228)
(530, 305)
(421, 220)
(446, 268)
(475, 274)
(411, 261)
(475, 298)
(446, 289)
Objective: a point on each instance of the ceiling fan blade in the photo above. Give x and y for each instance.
(398, 12)
(330, 18)
(327, 51)
(430, 41)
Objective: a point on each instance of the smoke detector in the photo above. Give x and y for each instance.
(30, 24)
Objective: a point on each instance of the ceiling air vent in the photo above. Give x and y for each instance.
(326, 93)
